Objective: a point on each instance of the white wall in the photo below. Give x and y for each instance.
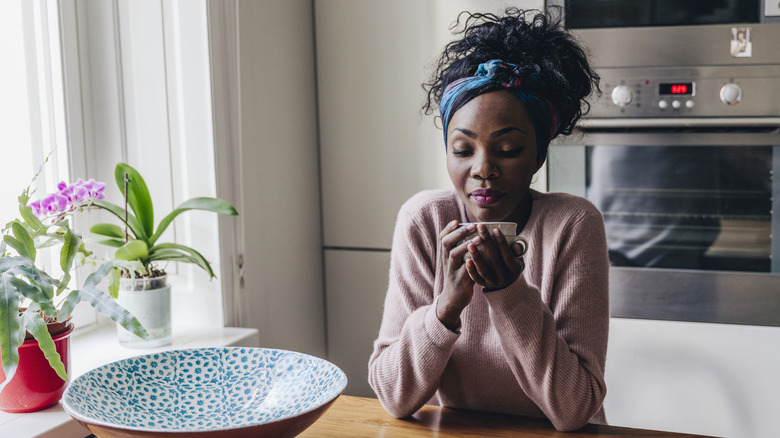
(279, 286)
(377, 149)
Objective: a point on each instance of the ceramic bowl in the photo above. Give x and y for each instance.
(205, 392)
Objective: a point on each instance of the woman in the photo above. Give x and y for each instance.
(494, 331)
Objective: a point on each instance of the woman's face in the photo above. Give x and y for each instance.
(491, 156)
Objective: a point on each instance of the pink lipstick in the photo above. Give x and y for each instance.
(486, 197)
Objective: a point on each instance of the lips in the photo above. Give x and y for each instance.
(486, 197)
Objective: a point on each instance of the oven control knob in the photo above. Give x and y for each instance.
(731, 94)
(622, 95)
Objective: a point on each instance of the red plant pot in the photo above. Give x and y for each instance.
(36, 385)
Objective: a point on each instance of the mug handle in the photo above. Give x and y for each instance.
(523, 245)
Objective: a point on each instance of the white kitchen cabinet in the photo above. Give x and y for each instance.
(356, 285)
(709, 379)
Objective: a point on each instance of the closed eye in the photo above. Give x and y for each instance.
(510, 153)
(461, 152)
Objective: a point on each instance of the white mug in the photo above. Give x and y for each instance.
(506, 228)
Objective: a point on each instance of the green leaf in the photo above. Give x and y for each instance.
(214, 205)
(11, 331)
(108, 230)
(113, 282)
(10, 263)
(132, 223)
(30, 218)
(34, 293)
(35, 324)
(64, 281)
(132, 250)
(174, 251)
(38, 278)
(83, 249)
(116, 243)
(96, 277)
(70, 246)
(103, 303)
(24, 197)
(52, 241)
(133, 266)
(137, 195)
(23, 243)
(15, 244)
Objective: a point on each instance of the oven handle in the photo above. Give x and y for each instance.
(680, 123)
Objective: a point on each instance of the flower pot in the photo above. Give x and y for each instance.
(36, 385)
(149, 300)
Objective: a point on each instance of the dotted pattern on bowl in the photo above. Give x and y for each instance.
(203, 389)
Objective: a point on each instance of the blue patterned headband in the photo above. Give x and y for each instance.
(543, 114)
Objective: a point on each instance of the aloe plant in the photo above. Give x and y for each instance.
(23, 283)
(138, 240)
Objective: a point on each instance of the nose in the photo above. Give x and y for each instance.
(484, 167)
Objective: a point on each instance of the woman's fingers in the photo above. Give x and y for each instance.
(495, 264)
(507, 253)
(471, 268)
(491, 248)
(453, 234)
(477, 267)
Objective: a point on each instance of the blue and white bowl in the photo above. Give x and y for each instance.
(206, 392)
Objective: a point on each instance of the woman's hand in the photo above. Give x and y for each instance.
(458, 286)
(497, 264)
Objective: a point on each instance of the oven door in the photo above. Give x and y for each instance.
(688, 207)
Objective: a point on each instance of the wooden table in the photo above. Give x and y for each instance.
(364, 417)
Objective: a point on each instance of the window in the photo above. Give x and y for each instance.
(32, 112)
(107, 82)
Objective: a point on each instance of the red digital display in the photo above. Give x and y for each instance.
(679, 88)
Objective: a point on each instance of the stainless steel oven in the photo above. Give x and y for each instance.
(680, 154)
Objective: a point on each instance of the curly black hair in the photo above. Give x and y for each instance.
(537, 45)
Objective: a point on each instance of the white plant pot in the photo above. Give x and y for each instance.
(152, 307)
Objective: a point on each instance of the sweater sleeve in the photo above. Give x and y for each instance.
(557, 351)
(413, 346)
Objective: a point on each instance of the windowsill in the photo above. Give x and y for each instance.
(99, 346)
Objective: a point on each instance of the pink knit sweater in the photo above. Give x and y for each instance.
(536, 348)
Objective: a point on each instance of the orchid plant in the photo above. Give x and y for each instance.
(138, 241)
(30, 296)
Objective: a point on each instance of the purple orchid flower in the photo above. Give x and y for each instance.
(96, 189)
(54, 203)
(79, 194)
(36, 207)
(69, 197)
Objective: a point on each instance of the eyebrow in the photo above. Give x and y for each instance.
(495, 134)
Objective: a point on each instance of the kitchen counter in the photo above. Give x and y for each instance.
(91, 349)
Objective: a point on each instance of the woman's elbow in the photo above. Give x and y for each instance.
(569, 424)
(394, 402)
(577, 416)
(394, 405)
